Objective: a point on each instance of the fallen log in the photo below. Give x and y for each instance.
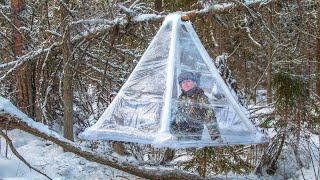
(12, 118)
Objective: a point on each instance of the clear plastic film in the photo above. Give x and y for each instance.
(175, 97)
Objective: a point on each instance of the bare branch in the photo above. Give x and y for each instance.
(16, 153)
(106, 25)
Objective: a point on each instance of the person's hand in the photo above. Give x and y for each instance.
(174, 126)
(214, 134)
(215, 137)
(182, 125)
(218, 95)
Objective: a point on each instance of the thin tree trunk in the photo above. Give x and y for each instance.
(40, 78)
(38, 69)
(67, 89)
(318, 53)
(318, 70)
(158, 5)
(45, 24)
(269, 60)
(296, 144)
(246, 83)
(103, 92)
(67, 78)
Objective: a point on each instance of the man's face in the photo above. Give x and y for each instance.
(186, 85)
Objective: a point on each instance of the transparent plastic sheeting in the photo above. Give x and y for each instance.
(151, 107)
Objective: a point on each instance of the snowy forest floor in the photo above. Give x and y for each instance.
(57, 164)
(51, 160)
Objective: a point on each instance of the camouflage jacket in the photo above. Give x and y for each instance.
(194, 108)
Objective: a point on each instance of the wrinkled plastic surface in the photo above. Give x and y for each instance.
(148, 106)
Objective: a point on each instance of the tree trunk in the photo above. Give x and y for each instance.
(318, 62)
(269, 60)
(67, 88)
(296, 144)
(158, 5)
(67, 78)
(44, 19)
(318, 53)
(10, 121)
(24, 72)
(17, 6)
(246, 82)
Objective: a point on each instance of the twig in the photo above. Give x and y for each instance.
(6, 146)
(15, 152)
(235, 49)
(69, 11)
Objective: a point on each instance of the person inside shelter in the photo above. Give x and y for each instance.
(194, 111)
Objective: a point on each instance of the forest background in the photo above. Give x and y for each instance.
(62, 62)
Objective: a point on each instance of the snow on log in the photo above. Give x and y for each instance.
(12, 118)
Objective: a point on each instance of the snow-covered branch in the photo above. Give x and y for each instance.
(27, 57)
(220, 8)
(11, 117)
(103, 26)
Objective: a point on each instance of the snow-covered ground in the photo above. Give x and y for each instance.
(51, 160)
(59, 165)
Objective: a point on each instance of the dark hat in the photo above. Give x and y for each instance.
(186, 76)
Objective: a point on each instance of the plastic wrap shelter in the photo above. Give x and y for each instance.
(150, 108)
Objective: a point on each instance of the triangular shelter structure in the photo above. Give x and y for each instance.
(145, 109)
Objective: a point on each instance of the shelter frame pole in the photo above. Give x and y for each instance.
(166, 113)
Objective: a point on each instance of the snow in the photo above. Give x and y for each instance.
(58, 165)
(51, 160)
(46, 156)
(8, 107)
(146, 17)
(8, 64)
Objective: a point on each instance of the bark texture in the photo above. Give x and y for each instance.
(24, 72)
(67, 77)
(318, 52)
